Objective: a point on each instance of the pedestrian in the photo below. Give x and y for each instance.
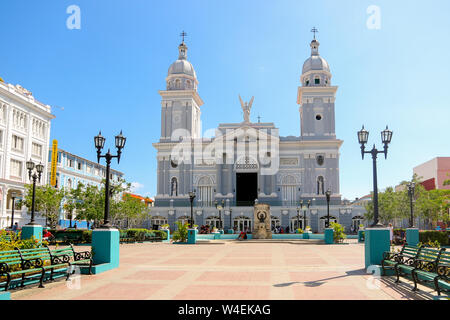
(391, 232)
(15, 227)
(75, 226)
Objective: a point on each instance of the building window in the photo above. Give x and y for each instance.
(70, 163)
(69, 184)
(317, 80)
(288, 190)
(36, 150)
(1, 138)
(16, 169)
(205, 191)
(88, 168)
(307, 83)
(80, 165)
(17, 143)
(318, 117)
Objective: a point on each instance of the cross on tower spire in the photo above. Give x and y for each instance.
(314, 31)
(183, 34)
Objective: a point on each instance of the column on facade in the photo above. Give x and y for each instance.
(273, 183)
(165, 164)
(219, 178)
(181, 182)
(230, 178)
(260, 183)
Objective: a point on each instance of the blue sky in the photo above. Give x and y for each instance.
(107, 74)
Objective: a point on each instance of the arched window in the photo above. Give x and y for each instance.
(242, 223)
(214, 222)
(317, 80)
(188, 84)
(158, 221)
(174, 187)
(178, 84)
(320, 185)
(205, 191)
(288, 190)
(275, 222)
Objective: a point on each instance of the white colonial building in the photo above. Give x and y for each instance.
(24, 135)
(248, 161)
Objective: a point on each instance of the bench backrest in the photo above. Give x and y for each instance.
(9, 259)
(444, 259)
(410, 251)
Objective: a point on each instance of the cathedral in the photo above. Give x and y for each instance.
(247, 163)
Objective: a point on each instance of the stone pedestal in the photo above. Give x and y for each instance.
(412, 236)
(261, 225)
(105, 247)
(216, 235)
(376, 242)
(230, 231)
(168, 235)
(29, 231)
(221, 231)
(305, 235)
(329, 236)
(360, 236)
(192, 236)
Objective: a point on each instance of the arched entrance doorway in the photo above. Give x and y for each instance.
(295, 223)
(158, 221)
(213, 222)
(323, 220)
(356, 221)
(246, 181)
(242, 223)
(275, 222)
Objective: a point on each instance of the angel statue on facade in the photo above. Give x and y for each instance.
(246, 106)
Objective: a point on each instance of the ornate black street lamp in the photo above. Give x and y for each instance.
(219, 207)
(298, 213)
(231, 219)
(308, 204)
(35, 176)
(411, 188)
(13, 197)
(386, 137)
(191, 199)
(99, 142)
(328, 195)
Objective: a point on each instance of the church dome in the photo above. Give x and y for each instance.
(182, 66)
(315, 62)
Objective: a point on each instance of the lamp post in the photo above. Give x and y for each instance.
(298, 214)
(191, 199)
(13, 197)
(219, 207)
(386, 137)
(411, 189)
(35, 176)
(304, 214)
(99, 142)
(231, 219)
(328, 195)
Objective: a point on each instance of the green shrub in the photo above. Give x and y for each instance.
(137, 234)
(338, 234)
(181, 234)
(299, 230)
(16, 242)
(431, 236)
(429, 244)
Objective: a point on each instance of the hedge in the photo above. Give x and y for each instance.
(431, 235)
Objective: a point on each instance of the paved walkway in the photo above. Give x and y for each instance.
(223, 270)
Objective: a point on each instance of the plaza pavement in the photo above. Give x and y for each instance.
(241, 270)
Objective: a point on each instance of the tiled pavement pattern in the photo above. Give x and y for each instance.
(220, 270)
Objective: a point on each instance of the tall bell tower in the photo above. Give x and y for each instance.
(180, 103)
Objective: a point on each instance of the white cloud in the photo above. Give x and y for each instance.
(136, 186)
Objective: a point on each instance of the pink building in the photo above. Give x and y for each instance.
(433, 173)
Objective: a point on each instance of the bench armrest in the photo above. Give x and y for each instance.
(82, 255)
(443, 271)
(58, 259)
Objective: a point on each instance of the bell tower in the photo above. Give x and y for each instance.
(180, 103)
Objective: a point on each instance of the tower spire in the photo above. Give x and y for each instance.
(314, 31)
(182, 48)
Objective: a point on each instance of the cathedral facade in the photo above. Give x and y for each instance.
(247, 163)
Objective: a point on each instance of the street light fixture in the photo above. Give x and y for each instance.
(386, 137)
(34, 174)
(99, 142)
(191, 199)
(304, 214)
(220, 207)
(328, 195)
(231, 219)
(298, 214)
(411, 188)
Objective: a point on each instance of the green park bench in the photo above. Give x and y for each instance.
(435, 271)
(30, 266)
(429, 266)
(406, 256)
